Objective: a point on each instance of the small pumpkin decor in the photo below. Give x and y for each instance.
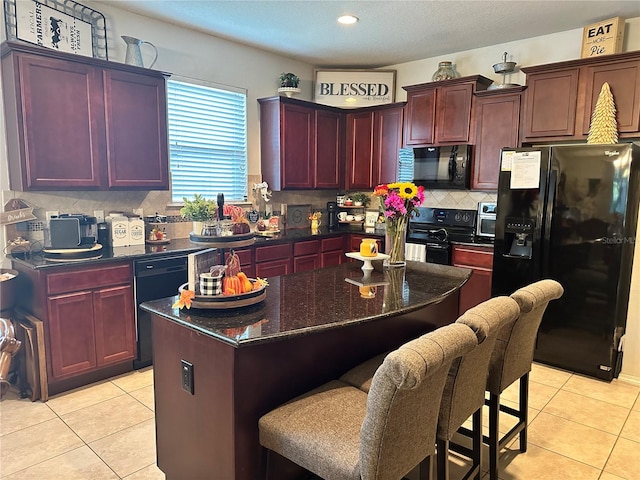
(236, 282)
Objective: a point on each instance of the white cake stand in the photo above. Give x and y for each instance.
(366, 267)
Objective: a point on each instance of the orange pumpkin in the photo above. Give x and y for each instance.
(231, 285)
(247, 286)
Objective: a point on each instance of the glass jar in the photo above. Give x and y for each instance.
(445, 72)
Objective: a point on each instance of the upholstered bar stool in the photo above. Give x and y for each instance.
(340, 432)
(511, 361)
(464, 391)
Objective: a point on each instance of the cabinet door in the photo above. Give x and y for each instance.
(388, 140)
(113, 310)
(476, 290)
(624, 80)
(453, 113)
(496, 119)
(335, 257)
(419, 128)
(550, 104)
(136, 119)
(273, 268)
(362, 174)
(306, 263)
(329, 147)
(72, 346)
(297, 144)
(61, 125)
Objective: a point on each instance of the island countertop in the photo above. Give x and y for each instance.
(319, 300)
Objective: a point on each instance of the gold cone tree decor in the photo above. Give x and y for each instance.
(604, 127)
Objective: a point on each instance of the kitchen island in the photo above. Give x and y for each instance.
(311, 328)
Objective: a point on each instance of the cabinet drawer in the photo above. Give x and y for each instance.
(273, 252)
(329, 244)
(481, 257)
(305, 248)
(88, 278)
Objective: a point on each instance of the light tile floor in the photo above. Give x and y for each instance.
(580, 429)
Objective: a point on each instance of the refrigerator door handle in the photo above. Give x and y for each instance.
(548, 218)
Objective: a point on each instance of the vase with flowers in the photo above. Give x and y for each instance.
(399, 201)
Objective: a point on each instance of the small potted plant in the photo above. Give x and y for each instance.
(360, 199)
(289, 84)
(198, 210)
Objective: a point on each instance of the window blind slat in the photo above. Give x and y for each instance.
(207, 141)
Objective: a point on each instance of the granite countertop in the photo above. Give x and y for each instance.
(175, 246)
(318, 300)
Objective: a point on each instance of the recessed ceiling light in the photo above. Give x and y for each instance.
(348, 19)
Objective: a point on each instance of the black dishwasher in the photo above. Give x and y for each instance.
(154, 279)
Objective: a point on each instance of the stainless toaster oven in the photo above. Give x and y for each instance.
(486, 220)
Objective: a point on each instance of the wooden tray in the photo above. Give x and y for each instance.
(158, 242)
(228, 241)
(227, 301)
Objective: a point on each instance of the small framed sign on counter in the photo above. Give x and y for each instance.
(354, 88)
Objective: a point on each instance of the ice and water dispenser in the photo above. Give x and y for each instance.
(518, 236)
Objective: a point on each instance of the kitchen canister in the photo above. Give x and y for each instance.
(210, 284)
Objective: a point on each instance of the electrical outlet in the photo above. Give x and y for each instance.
(99, 214)
(49, 214)
(186, 369)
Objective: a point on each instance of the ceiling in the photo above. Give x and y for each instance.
(389, 32)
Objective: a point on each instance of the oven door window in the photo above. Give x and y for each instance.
(487, 226)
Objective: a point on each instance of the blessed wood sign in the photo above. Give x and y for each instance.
(354, 88)
(603, 38)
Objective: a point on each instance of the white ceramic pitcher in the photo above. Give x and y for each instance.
(134, 55)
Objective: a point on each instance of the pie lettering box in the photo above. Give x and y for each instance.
(603, 38)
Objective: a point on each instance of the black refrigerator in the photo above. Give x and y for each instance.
(570, 213)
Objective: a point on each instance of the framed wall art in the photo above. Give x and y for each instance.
(354, 88)
(62, 25)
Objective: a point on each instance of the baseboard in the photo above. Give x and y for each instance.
(629, 379)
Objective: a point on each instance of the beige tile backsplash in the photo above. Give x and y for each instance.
(158, 201)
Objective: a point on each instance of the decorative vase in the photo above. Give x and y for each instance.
(395, 238)
(445, 71)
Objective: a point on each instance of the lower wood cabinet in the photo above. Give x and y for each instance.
(273, 260)
(332, 251)
(478, 288)
(305, 255)
(90, 319)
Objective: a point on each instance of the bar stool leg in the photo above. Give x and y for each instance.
(477, 441)
(524, 410)
(442, 455)
(494, 435)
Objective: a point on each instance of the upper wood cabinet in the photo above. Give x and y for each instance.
(497, 116)
(374, 136)
(560, 97)
(439, 113)
(75, 122)
(301, 144)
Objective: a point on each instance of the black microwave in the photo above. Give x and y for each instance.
(442, 167)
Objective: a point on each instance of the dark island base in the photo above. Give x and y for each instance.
(214, 432)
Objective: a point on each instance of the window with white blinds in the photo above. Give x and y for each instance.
(405, 165)
(207, 141)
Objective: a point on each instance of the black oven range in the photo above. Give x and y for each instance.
(436, 228)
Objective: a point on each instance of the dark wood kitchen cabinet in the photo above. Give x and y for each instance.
(560, 97)
(88, 314)
(301, 144)
(478, 288)
(439, 113)
(374, 136)
(75, 122)
(273, 260)
(497, 118)
(306, 255)
(332, 251)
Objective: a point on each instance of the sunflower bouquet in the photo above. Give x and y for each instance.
(399, 201)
